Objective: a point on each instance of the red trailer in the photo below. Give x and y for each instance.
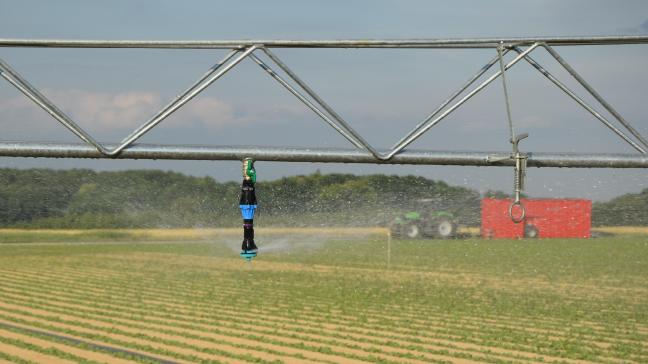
(545, 218)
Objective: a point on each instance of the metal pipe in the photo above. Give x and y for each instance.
(321, 155)
(596, 95)
(472, 93)
(346, 43)
(582, 103)
(458, 92)
(15, 79)
(305, 101)
(137, 133)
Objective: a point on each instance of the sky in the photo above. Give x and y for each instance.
(381, 93)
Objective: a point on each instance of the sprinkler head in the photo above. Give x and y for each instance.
(248, 255)
(248, 249)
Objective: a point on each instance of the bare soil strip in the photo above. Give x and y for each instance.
(243, 329)
(373, 351)
(128, 339)
(226, 345)
(378, 352)
(30, 355)
(86, 354)
(171, 235)
(481, 349)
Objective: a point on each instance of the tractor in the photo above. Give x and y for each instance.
(420, 224)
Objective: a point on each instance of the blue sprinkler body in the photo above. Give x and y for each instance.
(248, 205)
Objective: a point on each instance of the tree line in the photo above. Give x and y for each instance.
(149, 198)
(627, 210)
(82, 198)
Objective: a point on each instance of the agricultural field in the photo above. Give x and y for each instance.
(325, 296)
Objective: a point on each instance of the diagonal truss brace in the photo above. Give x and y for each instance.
(33, 94)
(321, 108)
(584, 104)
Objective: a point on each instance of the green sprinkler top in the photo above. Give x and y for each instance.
(248, 170)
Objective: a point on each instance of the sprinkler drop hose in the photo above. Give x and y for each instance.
(248, 205)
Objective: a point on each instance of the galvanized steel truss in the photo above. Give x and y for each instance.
(364, 152)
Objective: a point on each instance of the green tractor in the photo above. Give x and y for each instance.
(421, 224)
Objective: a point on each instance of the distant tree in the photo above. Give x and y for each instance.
(496, 194)
(628, 210)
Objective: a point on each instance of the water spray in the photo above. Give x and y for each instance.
(248, 205)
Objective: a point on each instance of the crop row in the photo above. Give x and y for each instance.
(66, 348)
(100, 284)
(234, 329)
(82, 297)
(97, 289)
(404, 311)
(189, 307)
(223, 336)
(607, 333)
(33, 351)
(368, 276)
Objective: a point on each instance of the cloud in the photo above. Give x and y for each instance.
(105, 110)
(206, 111)
(644, 26)
(125, 110)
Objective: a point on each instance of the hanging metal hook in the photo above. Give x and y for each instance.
(518, 178)
(520, 159)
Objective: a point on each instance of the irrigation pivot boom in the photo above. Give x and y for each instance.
(363, 152)
(261, 53)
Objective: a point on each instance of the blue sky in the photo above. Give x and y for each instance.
(382, 93)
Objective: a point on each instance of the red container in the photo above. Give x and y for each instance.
(551, 218)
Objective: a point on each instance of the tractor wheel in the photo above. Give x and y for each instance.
(396, 230)
(446, 229)
(531, 232)
(413, 231)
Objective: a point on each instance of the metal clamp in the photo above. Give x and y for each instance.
(249, 173)
(518, 178)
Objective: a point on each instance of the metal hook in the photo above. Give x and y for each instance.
(517, 219)
(518, 177)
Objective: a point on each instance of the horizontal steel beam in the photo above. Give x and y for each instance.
(322, 155)
(346, 43)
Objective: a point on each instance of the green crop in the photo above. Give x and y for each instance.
(332, 298)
